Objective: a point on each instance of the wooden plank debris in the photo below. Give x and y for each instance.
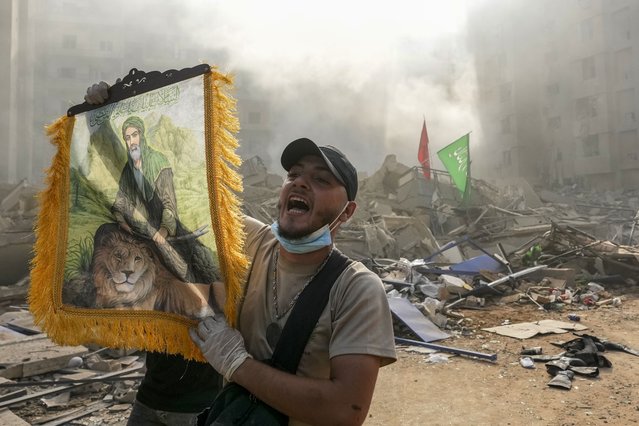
(7, 418)
(69, 415)
(35, 355)
(7, 393)
(64, 388)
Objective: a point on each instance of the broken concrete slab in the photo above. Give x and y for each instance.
(8, 335)
(59, 400)
(526, 330)
(35, 355)
(20, 321)
(7, 418)
(454, 286)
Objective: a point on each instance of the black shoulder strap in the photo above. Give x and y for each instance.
(306, 313)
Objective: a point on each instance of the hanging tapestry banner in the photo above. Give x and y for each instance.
(140, 216)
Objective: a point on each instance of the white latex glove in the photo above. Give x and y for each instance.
(97, 94)
(222, 346)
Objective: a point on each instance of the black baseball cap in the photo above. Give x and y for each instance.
(336, 161)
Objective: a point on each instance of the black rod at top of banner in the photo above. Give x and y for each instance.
(137, 82)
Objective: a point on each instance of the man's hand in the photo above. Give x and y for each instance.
(160, 236)
(97, 94)
(119, 218)
(221, 345)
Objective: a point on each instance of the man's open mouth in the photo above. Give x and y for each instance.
(297, 205)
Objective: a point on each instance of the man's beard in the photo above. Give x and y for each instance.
(135, 153)
(294, 235)
(297, 234)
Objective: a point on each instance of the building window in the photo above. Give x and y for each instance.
(626, 108)
(629, 147)
(551, 57)
(254, 117)
(554, 122)
(505, 125)
(621, 25)
(505, 92)
(552, 89)
(106, 45)
(587, 30)
(586, 107)
(505, 158)
(623, 65)
(502, 60)
(69, 41)
(588, 70)
(591, 146)
(66, 72)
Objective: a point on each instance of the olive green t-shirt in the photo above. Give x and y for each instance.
(356, 320)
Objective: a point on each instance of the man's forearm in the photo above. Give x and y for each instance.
(342, 400)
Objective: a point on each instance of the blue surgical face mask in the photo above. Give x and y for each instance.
(314, 241)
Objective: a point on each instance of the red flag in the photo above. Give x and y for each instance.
(422, 154)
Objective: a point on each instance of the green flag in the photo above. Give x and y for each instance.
(457, 161)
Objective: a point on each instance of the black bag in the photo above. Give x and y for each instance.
(235, 405)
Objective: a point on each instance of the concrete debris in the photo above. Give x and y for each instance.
(561, 251)
(58, 384)
(510, 243)
(530, 329)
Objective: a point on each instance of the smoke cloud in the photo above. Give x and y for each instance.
(359, 75)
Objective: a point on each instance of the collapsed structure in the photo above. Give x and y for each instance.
(561, 251)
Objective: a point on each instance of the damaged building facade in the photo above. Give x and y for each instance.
(558, 90)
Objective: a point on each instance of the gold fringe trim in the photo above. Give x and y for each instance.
(148, 330)
(43, 266)
(224, 183)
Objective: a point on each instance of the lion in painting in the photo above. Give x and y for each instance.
(127, 274)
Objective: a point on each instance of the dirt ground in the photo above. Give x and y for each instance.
(464, 391)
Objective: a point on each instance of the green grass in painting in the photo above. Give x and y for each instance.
(79, 257)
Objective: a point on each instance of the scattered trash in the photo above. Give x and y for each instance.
(75, 362)
(563, 379)
(437, 358)
(531, 351)
(527, 362)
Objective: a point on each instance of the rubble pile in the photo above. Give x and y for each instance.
(49, 384)
(507, 243)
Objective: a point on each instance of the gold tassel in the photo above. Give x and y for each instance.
(45, 261)
(224, 182)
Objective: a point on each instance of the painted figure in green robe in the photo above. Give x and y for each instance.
(145, 205)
